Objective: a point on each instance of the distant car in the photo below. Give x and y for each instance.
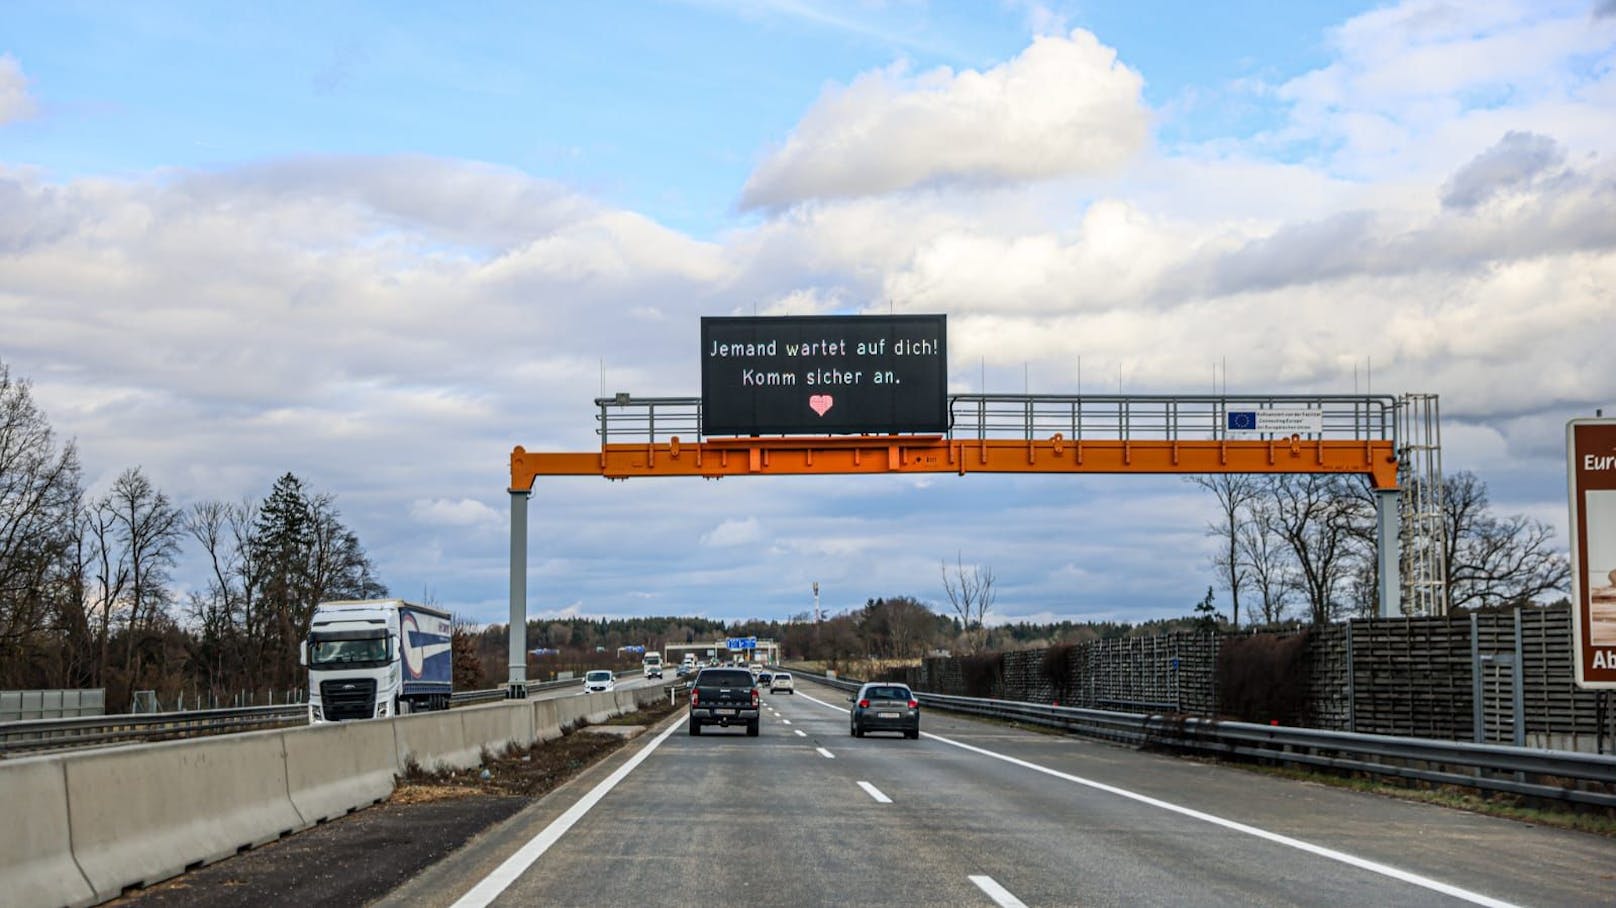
(598, 681)
(880, 706)
(763, 677)
(682, 670)
(782, 681)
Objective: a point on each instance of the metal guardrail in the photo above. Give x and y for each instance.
(1549, 774)
(38, 735)
(626, 418)
(90, 731)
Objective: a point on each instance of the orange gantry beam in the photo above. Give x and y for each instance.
(716, 458)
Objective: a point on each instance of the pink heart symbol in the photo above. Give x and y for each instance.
(820, 403)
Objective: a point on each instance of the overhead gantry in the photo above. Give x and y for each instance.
(645, 437)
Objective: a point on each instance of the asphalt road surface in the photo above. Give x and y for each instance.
(981, 814)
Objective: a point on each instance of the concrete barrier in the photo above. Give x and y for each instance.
(497, 726)
(36, 859)
(334, 768)
(601, 706)
(626, 701)
(546, 726)
(142, 814)
(434, 741)
(650, 696)
(572, 711)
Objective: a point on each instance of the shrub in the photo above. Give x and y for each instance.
(982, 675)
(1265, 677)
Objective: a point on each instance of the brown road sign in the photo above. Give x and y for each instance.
(1591, 481)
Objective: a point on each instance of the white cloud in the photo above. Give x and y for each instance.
(1414, 83)
(465, 512)
(733, 532)
(15, 102)
(1064, 106)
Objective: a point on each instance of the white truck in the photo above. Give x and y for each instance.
(374, 658)
(652, 665)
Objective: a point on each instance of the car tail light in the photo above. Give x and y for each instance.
(914, 704)
(754, 697)
(695, 696)
(864, 704)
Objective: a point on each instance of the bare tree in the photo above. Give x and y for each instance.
(1315, 515)
(224, 615)
(147, 529)
(1493, 561)
(1266, 561)
(1235, 493)
(39, 497)
(970, 591)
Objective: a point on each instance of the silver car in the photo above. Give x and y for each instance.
(781, 681)
(882, 706)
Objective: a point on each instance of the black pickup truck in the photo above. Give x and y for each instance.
(724, 696)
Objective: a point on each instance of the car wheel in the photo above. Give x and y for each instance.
(912, 735)
(752, 728)
(695, 728)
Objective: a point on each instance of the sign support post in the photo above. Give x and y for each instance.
(516, 689)
(1387, 529)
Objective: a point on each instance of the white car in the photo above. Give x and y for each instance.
(782, 681)
(598, 681)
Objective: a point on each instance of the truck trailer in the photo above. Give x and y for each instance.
(374, 658)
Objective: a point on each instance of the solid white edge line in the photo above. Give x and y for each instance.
(1000, 895)
(514, 866)
(875, 793)
(814, 699)
(1319, 850)
(1330, 853)
(825, 753)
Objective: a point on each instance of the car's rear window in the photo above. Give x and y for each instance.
(888, 693)
(724, 677)
(782, 676)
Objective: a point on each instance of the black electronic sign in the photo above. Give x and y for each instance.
(824, 374)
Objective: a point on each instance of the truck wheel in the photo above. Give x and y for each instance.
(912, 735)
(695, 728)
(752, 728)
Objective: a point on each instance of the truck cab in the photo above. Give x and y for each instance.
(652, 665)
(377, 658)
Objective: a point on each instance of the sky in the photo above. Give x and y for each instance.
(379, 245)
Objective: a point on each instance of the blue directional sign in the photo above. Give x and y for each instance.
(739, 643)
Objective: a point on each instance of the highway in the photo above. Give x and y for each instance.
(981, 814)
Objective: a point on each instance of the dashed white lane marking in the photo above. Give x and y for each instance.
(1000, 895)
(875, 793)
(514, 866)
(786, 721)
(1329, 853)
(800, 733)
(825, 753)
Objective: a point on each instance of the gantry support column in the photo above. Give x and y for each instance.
(1388, 546)
(516, 687)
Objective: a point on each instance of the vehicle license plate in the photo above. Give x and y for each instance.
(723, 712)
(886, 715)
